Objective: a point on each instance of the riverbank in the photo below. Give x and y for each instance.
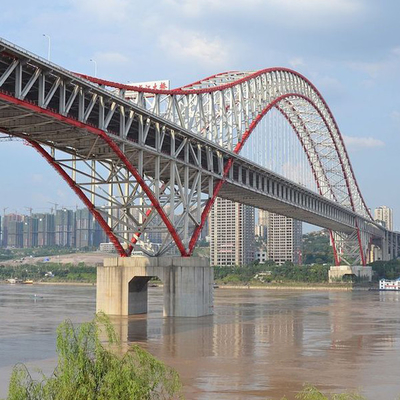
(51, 283)
(276, 287)
(67, 283)
(299, 286)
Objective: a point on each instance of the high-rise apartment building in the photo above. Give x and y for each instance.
(84, 223)
(46, 229)
(13, 230)
(384, 214)
(262, 226)
(88, 232)
(30, 231)
(64, 228)
(231, 233)
(284, 239)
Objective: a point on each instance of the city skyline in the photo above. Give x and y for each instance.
(63, 228)
(353, 66)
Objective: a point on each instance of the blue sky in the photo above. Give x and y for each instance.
(350, 49)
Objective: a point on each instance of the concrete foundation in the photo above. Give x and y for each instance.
(337, 273)
(188, 285)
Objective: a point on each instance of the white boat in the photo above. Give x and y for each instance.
(386, 284)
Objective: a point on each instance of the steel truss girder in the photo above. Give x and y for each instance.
(176, 144)
(225, 114)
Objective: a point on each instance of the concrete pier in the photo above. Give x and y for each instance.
(361, 272)
(188, 285)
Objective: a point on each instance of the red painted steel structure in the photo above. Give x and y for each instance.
(188, 89)
(80, 194)
(189, 108)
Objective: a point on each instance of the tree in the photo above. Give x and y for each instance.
(88, 370)
(317, 248)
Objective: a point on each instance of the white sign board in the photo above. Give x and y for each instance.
(155, 85)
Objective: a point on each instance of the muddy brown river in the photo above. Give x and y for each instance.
(259, 344)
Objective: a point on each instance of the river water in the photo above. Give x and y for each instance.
(259, 344)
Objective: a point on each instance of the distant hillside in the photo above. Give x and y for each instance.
(317, 248)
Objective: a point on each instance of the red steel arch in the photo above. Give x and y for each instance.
(124, 135)
(230, 80)
(100, 133)
(196, 89)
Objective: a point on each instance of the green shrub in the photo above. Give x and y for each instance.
(87, 370)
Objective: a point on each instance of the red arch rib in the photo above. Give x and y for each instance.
(247, 134)
(239, 147)
(335, 254)
(117, 151)
(184, 91)
(81, 195)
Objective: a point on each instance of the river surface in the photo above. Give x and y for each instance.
(259, 344)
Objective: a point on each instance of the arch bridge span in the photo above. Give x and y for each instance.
(149, 163)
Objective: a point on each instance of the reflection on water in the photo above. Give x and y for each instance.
(263, 344)
(259, 344)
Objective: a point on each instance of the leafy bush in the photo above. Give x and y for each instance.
(287, 272)
(87, 370)
(386, 269)
(312, 393)
(62, 272)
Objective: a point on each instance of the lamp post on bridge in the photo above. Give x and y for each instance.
(49, 46)
(95, 67)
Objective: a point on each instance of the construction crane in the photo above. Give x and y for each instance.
(30, 209)
(55, 206)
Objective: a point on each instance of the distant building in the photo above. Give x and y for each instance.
(84, 228)
(107, 247)
(261, 228)
(45, 229)
(64, 228)
(384, 215)
(231, 233)
(88, 232)
(30, 232)
(284, 239)
(13, 231)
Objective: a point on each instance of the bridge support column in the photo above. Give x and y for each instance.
(337, 273)
(187, 290)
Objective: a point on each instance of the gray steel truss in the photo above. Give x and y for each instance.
(150, 167)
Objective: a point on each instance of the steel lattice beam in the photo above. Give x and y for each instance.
(153, 164)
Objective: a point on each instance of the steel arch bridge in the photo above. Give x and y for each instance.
(150, 163)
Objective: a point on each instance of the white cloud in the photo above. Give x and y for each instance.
(358, 143)
(396, 51)
(342, 7)
(331, 85)
(297, 62)
(305, 7)
(111, 58)
(395, 116)
(300, 13)
(37, 178)
(194, 47)
(196, 8)
(111, 11)
(388, 65)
